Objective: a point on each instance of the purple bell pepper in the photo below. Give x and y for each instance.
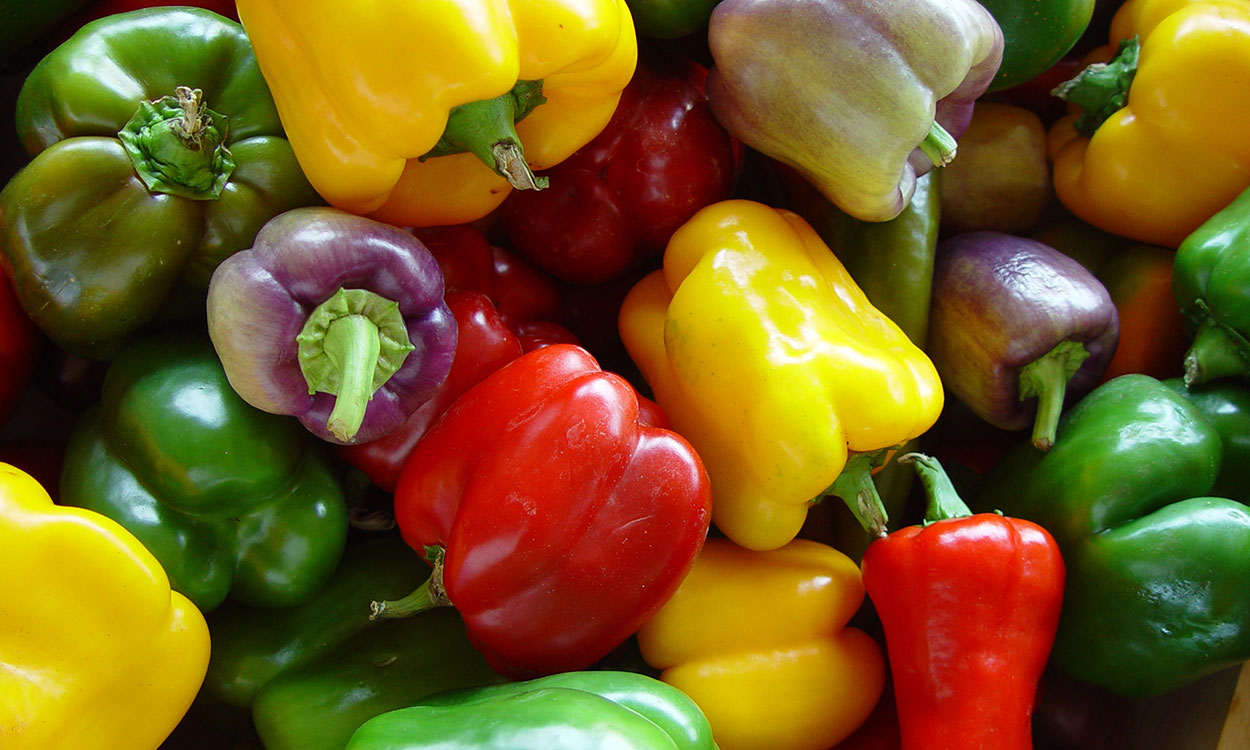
(333, 318)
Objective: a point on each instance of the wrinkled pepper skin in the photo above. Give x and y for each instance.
(766, 355)
(860, 97)
(969, 605)
(365, 91)
(1173, 152)
(98, 653)
(563, 520)
(102, 243)
(567, 711)
(759, 640)
(1156, 592)
(1211, 281)
(231, 500)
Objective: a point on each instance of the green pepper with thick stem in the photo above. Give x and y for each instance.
(565, 711)
(156, 153)
(1157, 567)
(230, 500)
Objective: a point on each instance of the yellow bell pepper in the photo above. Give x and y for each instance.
(772, 362)
(1175, 151)
(365, 89)
(759, 641)
(95, 650)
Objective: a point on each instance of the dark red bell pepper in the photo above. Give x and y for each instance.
(19, 343)
(556, 521)
(969, 605)
(613, 205)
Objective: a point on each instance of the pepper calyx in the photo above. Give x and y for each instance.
(1101, 89)
(177, 146)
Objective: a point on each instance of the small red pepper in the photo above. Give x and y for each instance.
(557, 522)
(969, 605)
(614, 203)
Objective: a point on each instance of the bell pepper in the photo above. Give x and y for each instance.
(98, 653)
(969, 605)
(601, 708)
(157, 152)
(1156, 593)
(1209, 279)
(413, 112)
(1226, 405)
(555, 520)
(615, 202)
(19, 344)
(1036, 35)
(333, 318)
(861, 99)
(768, 357)
(670, 19)
(1018, 327)
(231, 500)
(1157, 147)
(325, 659)
(759, 640)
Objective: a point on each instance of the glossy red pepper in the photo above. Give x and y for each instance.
(969, 605)
(19, 343)
(614, 203)
(556, 520)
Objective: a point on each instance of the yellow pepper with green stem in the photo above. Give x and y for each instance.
(771, 361)
(396, 109)
(96, 652)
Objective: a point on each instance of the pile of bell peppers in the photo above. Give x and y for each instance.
(629, 373)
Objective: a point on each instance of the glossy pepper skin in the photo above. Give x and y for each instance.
(1154, 164)
(599, 708)
(1036, 35)
(231, 500)
(1226, 405)
(746, 624)
(333, 318)
(1156, 566)
(324, 658)
(969, 605)
(766, 355)
(100, 654)
(556, 519)
(366, 91)
(614, 203)
(861, 98)
(1210, 280)
(119, 219)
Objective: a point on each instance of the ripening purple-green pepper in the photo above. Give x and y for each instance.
(333, 318)
(1015, 327)
(860, 97)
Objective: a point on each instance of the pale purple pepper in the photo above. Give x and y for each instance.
(260, 299)
(848, 91)
(1016, 326)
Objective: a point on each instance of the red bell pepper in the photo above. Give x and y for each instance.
(557, 522)
(19, 342)
(614, 203)
(969, 605)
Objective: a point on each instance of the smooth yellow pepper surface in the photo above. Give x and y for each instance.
(759, 641)
(96, 652)
(364, 90)
(772, 362)
(1176, 152)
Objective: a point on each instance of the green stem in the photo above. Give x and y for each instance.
(353, 344)
(177, 146)
(428, 595)
(487, 129)
(944, 500)
(856, 488)
(1047, 379)
(1216, 352)
(1101, 89)
(938, 145)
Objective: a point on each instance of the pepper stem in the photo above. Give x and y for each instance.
(1047, 378)
(1216, 352)
(939, 145)
(428, 595)
(1101, 89)
(487, 129)
(177, 146)
(944, 500)
(856, 488)
(354, 344)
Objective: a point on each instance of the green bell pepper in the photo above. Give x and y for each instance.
(230, 499)
(565, 711)
(1156, 590)
(311, 674)
(156, 153)
(1035, 35)
(1226, 405)
(670, 19)
(1211, 280)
